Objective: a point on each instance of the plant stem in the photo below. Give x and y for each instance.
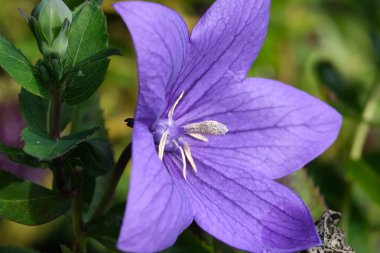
(115, 178)
(364, 126)
(54, 114)
(54, 131)
(358, 143)
(79, 244)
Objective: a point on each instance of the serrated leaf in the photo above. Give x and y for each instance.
(301, 183)
(365, 177)
(19, 156)
(27, 203)
(34, 111)
(19, 68)
(47, 149)
(106, 228)
(87, 36)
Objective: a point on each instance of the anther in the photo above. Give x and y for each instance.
(206, 127)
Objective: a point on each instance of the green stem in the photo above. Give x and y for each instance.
(79, 244)
(364, 126)
(358, 143)
(54, 115)
(115, 178)
(60, 179)
(54, 131)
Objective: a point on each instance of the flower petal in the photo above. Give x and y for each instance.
(223, 46)
(274, 128)
(158, 210)
(251, 213)
(161, 39)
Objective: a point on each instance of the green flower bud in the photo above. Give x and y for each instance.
(61, 42)
(50, 16)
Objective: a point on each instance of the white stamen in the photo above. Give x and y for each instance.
(206, 127)
(194, 130)
(161, 146)
(183, 159)
(171, 112)
(199, 137)
(186, 148)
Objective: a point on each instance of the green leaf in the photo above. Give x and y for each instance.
(331, 78)
(189, 243)
(358, 231)
(87, 36)
(34, 110)
(65, 249)
(19, 68)
(19, 156)
(48, 149)
(366, 178)
(301, 183)
(375, 39)
(373, 160)
(95, 155)
(88, 33)
(333, 186)
(87, 83)
(27, 203)
(106, 228)
(14, 249)
(89, 115)
(98, 56)
(101, 185)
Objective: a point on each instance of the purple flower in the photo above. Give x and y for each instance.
(208, 142)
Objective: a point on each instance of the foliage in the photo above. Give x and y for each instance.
(29, 204)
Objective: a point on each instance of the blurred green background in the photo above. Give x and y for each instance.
(328, 48)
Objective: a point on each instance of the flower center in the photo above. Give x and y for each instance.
(168, 136)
